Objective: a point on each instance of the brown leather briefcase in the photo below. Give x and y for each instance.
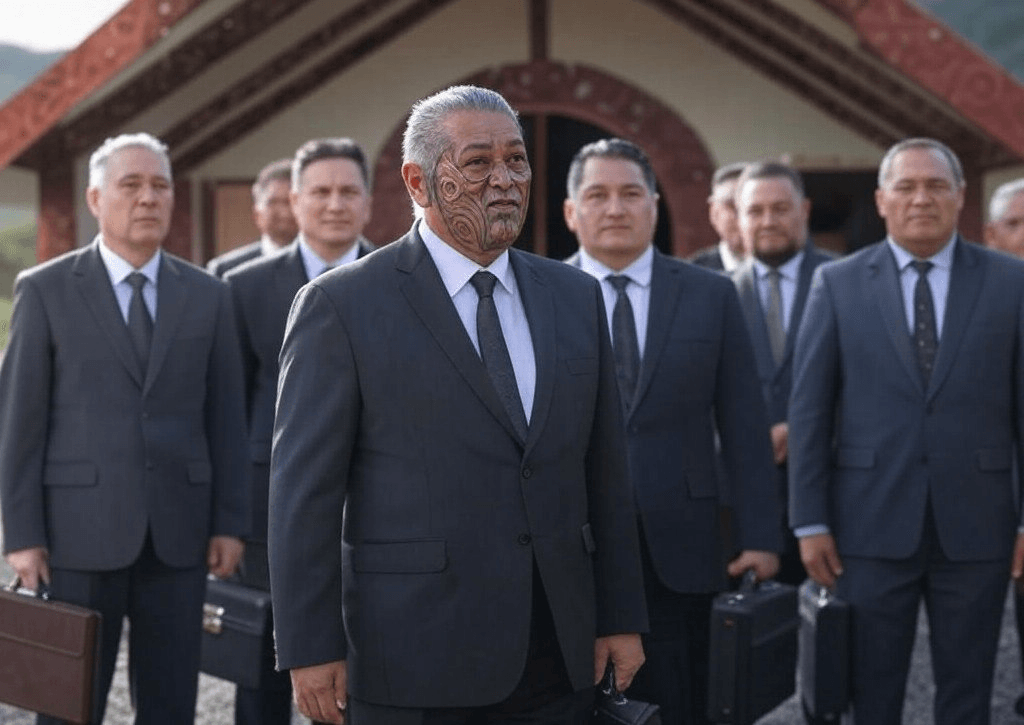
(47, 655)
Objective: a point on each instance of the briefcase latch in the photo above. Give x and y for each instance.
(213, 618)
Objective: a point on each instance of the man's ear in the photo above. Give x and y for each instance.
(569, 212)
(416, 183)
(92, 198)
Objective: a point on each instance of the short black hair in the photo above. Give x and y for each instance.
(328, 148)
(771, 170)
(609, 148)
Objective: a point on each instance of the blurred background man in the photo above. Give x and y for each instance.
(729, 252)
(1005, 228)
(272, 212)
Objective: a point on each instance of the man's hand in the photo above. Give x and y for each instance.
(321, 691)
(780, 442)
(821, 558)
(764, 563)
(30, 565)
(1017, 568)
(626, 653)
(223, 555)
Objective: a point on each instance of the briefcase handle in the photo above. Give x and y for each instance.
(43, 592)
(607, 684)
(749, 581)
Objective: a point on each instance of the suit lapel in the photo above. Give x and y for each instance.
(171, 296)
(426, 294)
(750, 301)
(885, 284)
(965, 283)
(666, 287)
(93, 282)
(540, 314)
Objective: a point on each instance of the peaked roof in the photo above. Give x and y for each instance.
(943, 85)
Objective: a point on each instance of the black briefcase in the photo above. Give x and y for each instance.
(824, 671)
(752, 661)
(48, 654)
(235, 622)
(611, 707)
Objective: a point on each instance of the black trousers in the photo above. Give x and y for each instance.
(164, 606)
(675, 674)
(543, 696)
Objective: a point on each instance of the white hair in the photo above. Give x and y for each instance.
(921, 143)
(1002, 197)
(100, 157)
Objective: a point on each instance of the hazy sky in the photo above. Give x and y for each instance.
(46, 25)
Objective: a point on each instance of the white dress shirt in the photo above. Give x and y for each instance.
(118, 269)
(456, 271)
(638, 291)
(729, 260)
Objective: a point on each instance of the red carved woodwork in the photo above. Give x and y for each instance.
(681, 163)
(179, 235)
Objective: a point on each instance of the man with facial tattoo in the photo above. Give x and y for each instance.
(452, 536)
(773, 284)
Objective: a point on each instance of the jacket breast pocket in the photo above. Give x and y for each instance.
(422, 556)
(70, 474)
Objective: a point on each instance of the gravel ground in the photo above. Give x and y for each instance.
(216, 697)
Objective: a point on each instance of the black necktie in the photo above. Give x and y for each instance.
(925, 337)
(494, 351)
(140, 325)
(624, 341)
(773, 316)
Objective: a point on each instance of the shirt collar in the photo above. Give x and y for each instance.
(789, 270)
(315, 264)
(942, 258)
(118, 268)
(456, 269)
(729, 260)
(268, 246)
(638, 271)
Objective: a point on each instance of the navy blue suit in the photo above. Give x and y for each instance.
(696, 379)
(776, 379)
(915, 482)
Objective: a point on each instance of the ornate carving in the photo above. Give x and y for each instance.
(939, 60)
(119, 41)
(680, 161)
(179, 235)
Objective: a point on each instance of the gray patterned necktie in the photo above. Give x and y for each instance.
(773, 316)
(494, 351)
(926, 342)
(140, 324)
(624, 340)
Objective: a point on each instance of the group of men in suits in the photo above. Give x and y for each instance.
(491, 478)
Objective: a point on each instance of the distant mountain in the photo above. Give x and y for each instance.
(18, 66)
(995, 26)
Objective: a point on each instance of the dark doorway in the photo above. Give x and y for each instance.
(551, 142)
(843, 214)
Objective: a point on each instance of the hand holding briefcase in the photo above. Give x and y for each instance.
(48, 654)
(611, 707)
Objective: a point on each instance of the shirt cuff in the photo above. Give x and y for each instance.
(811, 530)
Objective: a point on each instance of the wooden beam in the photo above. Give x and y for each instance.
(539, 29)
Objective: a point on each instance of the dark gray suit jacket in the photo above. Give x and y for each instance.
(776, 380)
(94, 452)
(870, 445)
(696, 379)
(224, 263)
(263, 290)
(709, 257)
(386, 411)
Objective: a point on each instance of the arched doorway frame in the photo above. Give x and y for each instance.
(681, 162)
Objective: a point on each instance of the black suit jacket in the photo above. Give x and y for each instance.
(696, 379)
(95, 451)
(224, 263)
(405, 515)
(263, 290)
(709, 257)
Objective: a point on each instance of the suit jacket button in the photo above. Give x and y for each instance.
(527, 472)
(524, 539)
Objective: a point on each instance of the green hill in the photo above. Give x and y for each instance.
(18, 66)
(17, 252)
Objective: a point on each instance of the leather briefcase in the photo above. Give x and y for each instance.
(611, 707)
(824, 671)
(235, 623)
(752, 662)
(48, 654)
